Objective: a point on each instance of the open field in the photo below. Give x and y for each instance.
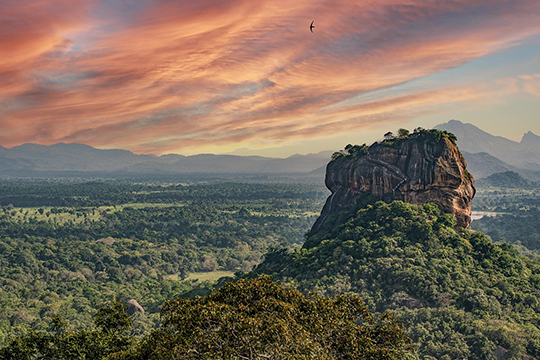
(210, 275)
(60, 215)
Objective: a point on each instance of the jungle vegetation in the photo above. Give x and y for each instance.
(73, 252)
(459, 295)
(68, 248)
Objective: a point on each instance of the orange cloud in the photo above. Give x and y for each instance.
(531, 83)
(31, 29)
(172, 76)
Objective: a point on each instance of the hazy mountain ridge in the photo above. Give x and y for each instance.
(507, 179)
(482, 164)
(485, 154)
(62, 157)
(471, 139)
(530, 139)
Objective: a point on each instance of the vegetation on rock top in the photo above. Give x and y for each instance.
(391, 140)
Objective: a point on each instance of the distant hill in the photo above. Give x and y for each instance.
(507, 179)
(34, 159)
(483, 164)
(486, 154)
(524, 154)
(67, 157)
(530, 140)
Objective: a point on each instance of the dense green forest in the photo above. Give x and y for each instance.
(506, 192)
(519, 227)
(247, 319)
(459, 295)
(70, 247)
(513, 203)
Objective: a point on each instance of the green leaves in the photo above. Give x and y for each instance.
(409, 259)
(70, 265)
(259, 319)
(113, 318)
(62, 344)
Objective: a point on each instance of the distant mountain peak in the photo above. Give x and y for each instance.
(74, 145)
(530, 139)
(471, 139)
(460, 129)
(29, 146)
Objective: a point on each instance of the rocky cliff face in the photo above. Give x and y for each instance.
(423, 167)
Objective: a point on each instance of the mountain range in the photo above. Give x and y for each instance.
(34, 159)
(485, 154)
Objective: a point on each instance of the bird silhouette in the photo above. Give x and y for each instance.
(311, 26)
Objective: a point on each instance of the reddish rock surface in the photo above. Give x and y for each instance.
(423, 167)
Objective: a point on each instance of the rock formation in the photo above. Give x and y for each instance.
(133, 307)
(425, 166)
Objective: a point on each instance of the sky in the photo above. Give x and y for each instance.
(249, 78)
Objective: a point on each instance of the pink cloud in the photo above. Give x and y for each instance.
(174, 75)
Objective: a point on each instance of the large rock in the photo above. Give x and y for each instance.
(133, 307)
(425, 166)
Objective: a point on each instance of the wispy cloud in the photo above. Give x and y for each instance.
(531, 83)
(174, 76)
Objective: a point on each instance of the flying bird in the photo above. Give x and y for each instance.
(311, 26)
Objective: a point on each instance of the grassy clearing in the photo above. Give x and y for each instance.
(287, 212)
(209, 275)
(62, 215)
(148, 205)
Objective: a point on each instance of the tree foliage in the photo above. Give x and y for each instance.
(403, 132)
(459, 294)
(259, 319)
(94, 242)
(391, 140)
(110, 337)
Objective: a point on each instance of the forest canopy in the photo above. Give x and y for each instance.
(247, 319)
(460, 295)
